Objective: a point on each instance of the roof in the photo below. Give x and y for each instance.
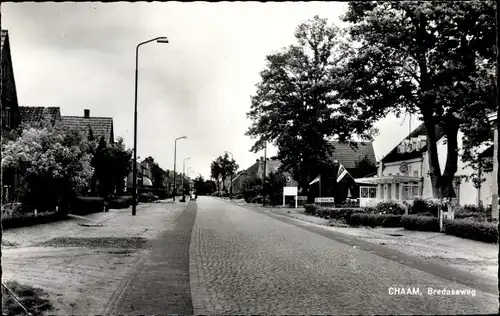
(101, 126)
(393, 155)
(347, 154)
(34, 114)
(5, 34)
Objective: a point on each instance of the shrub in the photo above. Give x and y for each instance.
(29, 219)
(87, 205)
(238, 196)
(422, 223)
(147, 197)
(311, 209)
(120, 202)
(487, 232)
(390, 207)
(375, 220)
(343, 214)
(429, 207)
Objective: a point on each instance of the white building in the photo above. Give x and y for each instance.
(403, 174)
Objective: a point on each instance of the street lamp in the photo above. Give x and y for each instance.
(231, 180)
(134, 167)
(175, 158)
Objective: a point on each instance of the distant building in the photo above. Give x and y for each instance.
(94, 127)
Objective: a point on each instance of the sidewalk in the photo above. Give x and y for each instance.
(82, 266)
(470, 256)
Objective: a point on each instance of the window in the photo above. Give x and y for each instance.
(373, 193)
(7, 117)
(397, 191)
(389, 191)
(410, 191)
(364, 192)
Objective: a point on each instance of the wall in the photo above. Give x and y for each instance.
(413, 165)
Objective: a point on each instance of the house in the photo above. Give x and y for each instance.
(352, 155)
(10, 112)
(240, 180)
(403, 174)
(10, 107)
(34, 114)
(143, 176)
(94, 127)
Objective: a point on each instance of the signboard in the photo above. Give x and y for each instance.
(324, 200)
(290, 191)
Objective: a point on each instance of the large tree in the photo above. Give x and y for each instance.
(434, 59)
(54, 164)
(223, 167)
(296, 106)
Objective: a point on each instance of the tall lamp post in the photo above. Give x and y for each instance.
(264, 176)
(184, 172)
(134, 167)
(231, 181)
(175, 159)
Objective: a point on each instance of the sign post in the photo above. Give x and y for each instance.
(290, 191)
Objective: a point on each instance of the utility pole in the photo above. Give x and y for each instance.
(175, 159)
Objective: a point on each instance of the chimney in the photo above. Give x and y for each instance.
(86, 113)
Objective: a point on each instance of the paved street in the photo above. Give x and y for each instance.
(246, 262)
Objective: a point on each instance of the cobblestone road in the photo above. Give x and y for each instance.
(245, 262)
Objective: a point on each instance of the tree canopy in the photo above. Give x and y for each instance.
(434, 59)
(296, 106)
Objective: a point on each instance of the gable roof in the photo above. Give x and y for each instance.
(101, 126)
(34, 114)
(393, 155)
(348, 155)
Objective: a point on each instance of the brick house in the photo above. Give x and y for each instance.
(10, 111)
(34, 114)
(92, 126)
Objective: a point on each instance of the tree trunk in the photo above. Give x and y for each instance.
(446, 183)
(434, 168)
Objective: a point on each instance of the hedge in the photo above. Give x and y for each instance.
(487, 232)
(86, 205)
(375, 220)
(29, 219)
(422, 223)
(120, 202)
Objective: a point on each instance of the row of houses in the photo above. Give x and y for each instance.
(14, 115)
(402, 175)
(349, 155)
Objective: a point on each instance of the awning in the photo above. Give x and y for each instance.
(147, 182)
(387, 179)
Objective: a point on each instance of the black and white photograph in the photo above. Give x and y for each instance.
(249, 158)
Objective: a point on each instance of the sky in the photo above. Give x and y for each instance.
(80, 56)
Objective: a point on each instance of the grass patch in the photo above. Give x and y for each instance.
(96, 242)
(34, 299)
